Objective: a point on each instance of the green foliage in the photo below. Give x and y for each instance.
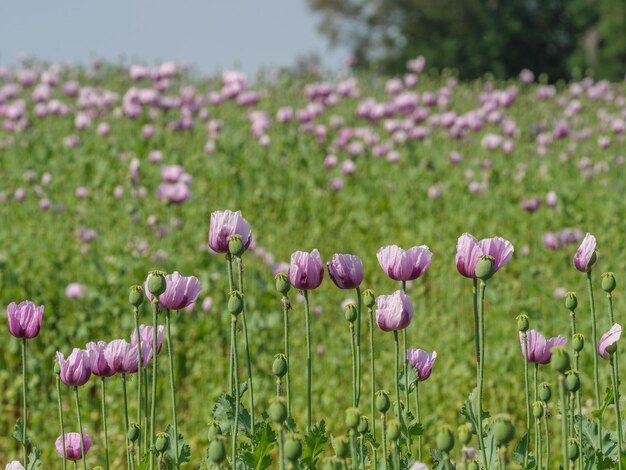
(177, 444)
(34, 460)
(224, 414)
(315, 443)
(255, 455)
(18, 433)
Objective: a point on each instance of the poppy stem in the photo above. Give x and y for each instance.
(527, 390)
(354, 367)
(233, 348)
(155, 334)
(481, 371)
(80, 429)
(373, 375)
(246, 344)
(104, 422)
(170, 354)
(309, 364)
(384, 436)
(594, 340)
(564, 419)
(615, 378)
(231, 282)
(286, 307)
(139, 379)
(24, 403)
(397, 366)
(129, 458)
(60, 404)
(359, 308)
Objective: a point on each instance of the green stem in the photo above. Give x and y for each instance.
(373, 375)
(60, 404)
(80, 429)
(396, 457)
(309, 364)
(354, 366)
(231, 284)
(281, 451)
(564, 419)
(155, 334)
(359, 306)
(545, 422)
(104, 422)
(476, 328)
(527, 390)
(404, 365)
(129, 458)
(353, 450)
(286, 306)
(615, 357)
(139, 379)
(383, 425)
(246, 345)
(618, 417)
(24, 404)
(233, 342)
(594, 341)
(170, 352)
(481, 369)
(538, 451)
(144, 428)
(419, 419)
(397, 371)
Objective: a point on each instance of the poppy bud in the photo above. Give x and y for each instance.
(353, 417)
(342, 447)
(465, 434)
(135, 297)
(364, 425)
(503, 431)
(351, 313)
(571, 301)
(235, 246)
(522, 323)
(279, 366)
(235, 303)
(134, 431)
(545, 392)
(560, 359)
(578, 342)
(445, 439)
(162, 442)
(611, 348)
(484, 267)
(278, 410)
(369, 298)
(293, 448)
(217, 451)
(214, 431)
(572, 382)
(538, 409)
(393, 430)
(572, 449)
(156, 283)
(282, 283)
(608, 282)
(383, 403)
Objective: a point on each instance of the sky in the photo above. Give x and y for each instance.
(212, 35)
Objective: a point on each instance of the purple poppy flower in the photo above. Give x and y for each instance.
(121, 356)
(540, 349)
(223, 225)
(24, 319)
(306, 270)
(76, 370)
(469, 250)
(73, 450)
(15, 465)
(585, 256)
(99, 364)
(146, 342)
(401, 265)
(180, 291)
(346, 271)
(422, 361)
(393, 312)
(609, 339)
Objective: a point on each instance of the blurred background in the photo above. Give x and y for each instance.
(561, 38)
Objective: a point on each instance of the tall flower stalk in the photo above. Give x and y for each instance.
(607, 349)
(60, 406)
(370, 302)
(170, 354)
(129, 457)
(136, 298)
(104, 421)
(80, 428)
(283, 287)
(522, 326)
(24, 404)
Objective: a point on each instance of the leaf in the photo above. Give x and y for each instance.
(608, 400)
(263, 442)
(411, 375)
(18, 433)
(520, 452)
(177, 444)
(34, 460)
(224, 414)
(314, 444)
(145, 463)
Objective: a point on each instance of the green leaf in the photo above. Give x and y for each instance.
(263, 442)
(520, 451)
(18, 433)
(608, 400)
(177, 444)
(34, 460)
(315, 442)
(224, 414)
(145, 463)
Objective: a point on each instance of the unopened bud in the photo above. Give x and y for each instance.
(484, 267)
(369, 298)
(465, 434)
(571, 301)
(293, 447)
(235, 303)
(351, 313)
(578, 342)
(353, 417)
(235, 246)
(383, 403)
(134, 431)
(522, 323)
(217, 451)
(545, 392)
(560, 359)
(282, 283)
(135, 296)
(445, 439)
(157, 283)
(608, 282)
(162, 442)
(278, 410)
(393, 430)
(503, 431)
(572, 450)
(279, 366)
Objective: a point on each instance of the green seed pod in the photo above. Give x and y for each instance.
(545, 392)
(353, 417)
(157, 283)
(560, 359)
(522, 323)
(134, 431)
(572, 382)
(369, 298)
(473, 466)
(217, 451)
(445, 439)
(538, 409)
(282, 283)
(503, 431)
(351, 313)
(608, 282)
(135, 296)
(235, 303)
(571, 301)
(484, 268)
(341, 444)
(235, 246)
(214, 431)
(278, 410)
(293, 448)
(578, 342)
(465, 434)
(383, 403)
(279, 366)
(572, 450)
(364, 425)
(162, 442)
(393, 430)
